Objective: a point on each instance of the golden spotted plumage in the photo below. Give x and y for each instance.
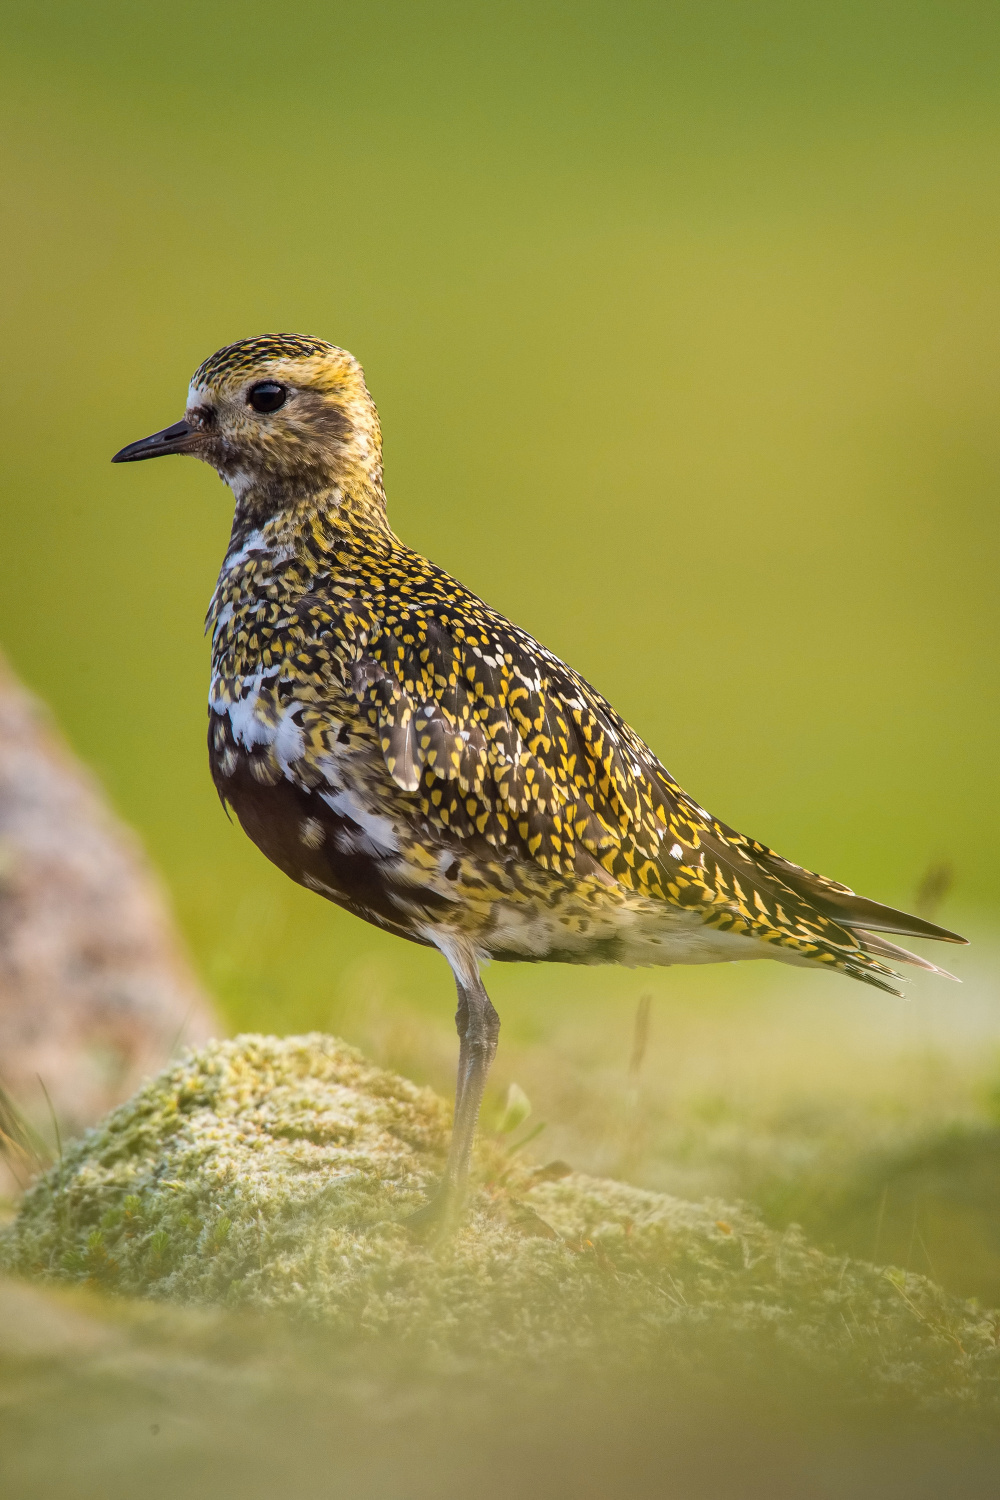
(400, 747)
(487, 743)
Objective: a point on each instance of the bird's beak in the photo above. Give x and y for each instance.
(177, 439)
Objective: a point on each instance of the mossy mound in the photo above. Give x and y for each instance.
(279, 1175)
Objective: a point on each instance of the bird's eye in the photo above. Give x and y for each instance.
(267, 395)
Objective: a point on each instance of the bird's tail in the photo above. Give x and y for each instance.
(867, 919)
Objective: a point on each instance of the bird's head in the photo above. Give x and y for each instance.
(282, 418)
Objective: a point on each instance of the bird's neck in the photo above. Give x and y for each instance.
(300, 517)
(329, 522)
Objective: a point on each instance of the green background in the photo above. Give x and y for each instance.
(682, 322)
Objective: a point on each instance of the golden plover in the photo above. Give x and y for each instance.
(396, 745)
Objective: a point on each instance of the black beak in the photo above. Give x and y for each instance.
(176, 439)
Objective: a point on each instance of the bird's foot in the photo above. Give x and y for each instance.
(439, 1215)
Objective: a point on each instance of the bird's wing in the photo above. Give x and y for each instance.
(498, 739)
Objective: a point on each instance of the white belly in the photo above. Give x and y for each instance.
(635, 934)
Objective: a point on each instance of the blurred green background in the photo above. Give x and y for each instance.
(682, 321)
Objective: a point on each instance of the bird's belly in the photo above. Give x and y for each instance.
(634, 932)
(328, 839)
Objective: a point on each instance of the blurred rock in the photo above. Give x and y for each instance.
(94, 990)
(277, 1175)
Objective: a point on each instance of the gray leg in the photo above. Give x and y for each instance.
(478, 1027)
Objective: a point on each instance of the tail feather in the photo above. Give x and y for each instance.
(841, 905)
(884, 949)
(817, 920)
(870, 970)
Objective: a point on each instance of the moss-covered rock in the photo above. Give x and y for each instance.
(279, 1174)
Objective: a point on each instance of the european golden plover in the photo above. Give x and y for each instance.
(396, 745)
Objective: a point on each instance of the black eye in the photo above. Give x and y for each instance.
(267, 395)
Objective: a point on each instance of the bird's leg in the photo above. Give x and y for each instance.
(462, 1027)
(478, 1027)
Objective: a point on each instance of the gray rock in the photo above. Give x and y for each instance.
(94, 989)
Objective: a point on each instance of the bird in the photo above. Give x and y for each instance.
(397, 746)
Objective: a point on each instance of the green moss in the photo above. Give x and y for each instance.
(279, 1174)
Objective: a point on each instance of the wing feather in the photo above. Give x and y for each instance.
(499, 739)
